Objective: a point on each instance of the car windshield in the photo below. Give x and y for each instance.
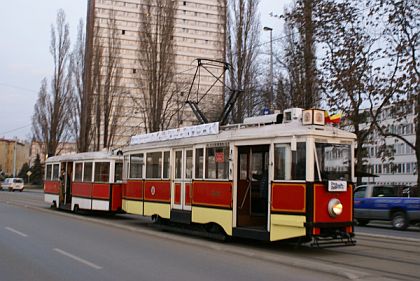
(333, 161)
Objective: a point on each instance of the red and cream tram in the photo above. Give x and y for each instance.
(88, 181)
(274, 177)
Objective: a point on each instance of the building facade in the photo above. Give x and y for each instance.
(392, 160)
(199, 32)
(13, 154)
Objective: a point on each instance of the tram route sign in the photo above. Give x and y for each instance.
(334, 186)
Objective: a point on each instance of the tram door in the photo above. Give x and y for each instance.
(253, 184)
(67, 181)
(182, 187)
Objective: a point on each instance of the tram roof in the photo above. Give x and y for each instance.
(97, 155)
(243, 132)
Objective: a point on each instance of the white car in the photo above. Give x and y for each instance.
(12, 184)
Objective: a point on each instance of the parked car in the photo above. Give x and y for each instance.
(382, 202)
(12, 184)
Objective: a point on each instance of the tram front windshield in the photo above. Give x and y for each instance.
(333, 161)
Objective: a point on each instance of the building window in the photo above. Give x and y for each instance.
(185, 3)
(134, 71)
(123, 32)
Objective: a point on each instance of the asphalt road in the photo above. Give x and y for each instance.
(44, 245)
(37, 243)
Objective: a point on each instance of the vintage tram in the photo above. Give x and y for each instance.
(84, 181)
(275, 177)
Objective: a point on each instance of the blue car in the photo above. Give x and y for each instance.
(381, 202)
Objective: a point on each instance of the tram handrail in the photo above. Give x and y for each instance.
(246, 194)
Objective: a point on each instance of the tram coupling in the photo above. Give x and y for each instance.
(339, 239)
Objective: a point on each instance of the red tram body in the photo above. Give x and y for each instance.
(275, 177)
(88, 181)
(282, 180)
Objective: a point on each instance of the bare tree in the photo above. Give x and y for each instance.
(50, 122)
(291, 82)
(398, 85)
(243, 29)
(347, 67)
(156, 58)
(80, 121)
(300, 34)
(102, 98)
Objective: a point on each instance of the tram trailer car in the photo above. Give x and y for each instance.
(275, 177)
(84, 181)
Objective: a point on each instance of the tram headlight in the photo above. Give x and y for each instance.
(335, 208)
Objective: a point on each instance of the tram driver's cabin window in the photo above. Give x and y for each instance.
(56, 172)
(288, 164)
(49, 172)
(78, 174)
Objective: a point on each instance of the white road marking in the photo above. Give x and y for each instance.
(88, 263)
(16, 231)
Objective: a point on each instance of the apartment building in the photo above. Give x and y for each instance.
(392, 160)
(199, 32)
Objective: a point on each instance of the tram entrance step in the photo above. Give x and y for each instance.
(181, 216)
(252, 233)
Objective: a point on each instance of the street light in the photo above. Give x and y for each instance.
(266, 28)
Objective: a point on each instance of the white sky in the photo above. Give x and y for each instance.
(25, 59)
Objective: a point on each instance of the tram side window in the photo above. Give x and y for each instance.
(199, 162)
(288, 164)
(118, 176)
(78, 174)
(56, 172)
(189, 164)
(166, 155)
(102, 171)
(126, 167)
(178, 164)
(217, 163)
(136, 166)
(154, 165)
(87, 175)
(49, 172)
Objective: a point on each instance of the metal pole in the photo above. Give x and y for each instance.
(271, 71)
(14, 160)
(266, 28)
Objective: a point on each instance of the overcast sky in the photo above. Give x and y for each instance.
(25, 59)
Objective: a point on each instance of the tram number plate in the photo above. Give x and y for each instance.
(337, 186)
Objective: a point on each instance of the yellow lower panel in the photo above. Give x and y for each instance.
(287, 226)
(132, 207)
(207, 215)
(161, 209)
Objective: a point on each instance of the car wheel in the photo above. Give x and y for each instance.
(362, 222)
(76, 209)
(399, 221)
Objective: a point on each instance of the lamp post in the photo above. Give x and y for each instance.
(266, 28)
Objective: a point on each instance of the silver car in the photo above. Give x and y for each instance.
(12, 184)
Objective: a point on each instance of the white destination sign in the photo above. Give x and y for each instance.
(337, 186)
